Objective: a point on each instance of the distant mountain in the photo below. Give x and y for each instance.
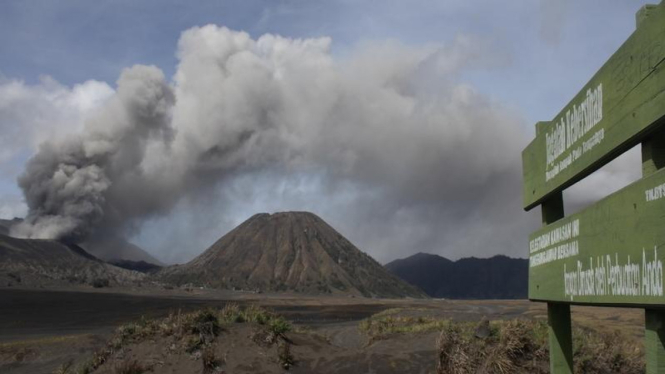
(141, 266)
(292, 251)
(35, 262)
(108, 248)
(6, 224)
(117, 249)
(498, 277)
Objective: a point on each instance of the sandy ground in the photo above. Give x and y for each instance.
(42, 329)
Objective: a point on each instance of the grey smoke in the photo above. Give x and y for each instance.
(390, 128)
(83, 183)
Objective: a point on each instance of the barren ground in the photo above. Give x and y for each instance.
(42, 329)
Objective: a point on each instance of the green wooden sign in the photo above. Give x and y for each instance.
(610, 253)
(612, 113)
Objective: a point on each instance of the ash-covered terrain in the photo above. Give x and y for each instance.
(40, 263)
(281, 252)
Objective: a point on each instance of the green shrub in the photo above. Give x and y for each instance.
(279, 326)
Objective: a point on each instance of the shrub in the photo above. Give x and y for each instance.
(284, 355)
(279, 326)
(100, 282)
(206, 323)
(520, 346)
(64, 368)
(389, 322)
(210, 360)
(231, 313)
(130, 367)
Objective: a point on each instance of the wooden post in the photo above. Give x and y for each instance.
(560, 338)
(653, 159)
(654, 337)
(622, 105)
(558, 314)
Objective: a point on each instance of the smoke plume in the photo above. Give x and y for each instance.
(390, 123)
(83, 183)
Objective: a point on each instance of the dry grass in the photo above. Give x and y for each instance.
(390, 322)
(130, 367)
(195, 333)
(210, 360)
(520, 346)
(285, 357)
(515, 346)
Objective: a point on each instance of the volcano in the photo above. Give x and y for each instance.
(38, 263)
(289, 251)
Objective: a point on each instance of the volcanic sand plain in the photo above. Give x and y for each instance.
(42, 329)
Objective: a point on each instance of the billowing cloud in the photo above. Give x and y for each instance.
(388, 141)
(32, 114)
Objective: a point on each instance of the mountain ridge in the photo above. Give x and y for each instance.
(39, 262)
(497, 277)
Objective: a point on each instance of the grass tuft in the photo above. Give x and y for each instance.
(210, 360)
(130, 367)
(389, 322)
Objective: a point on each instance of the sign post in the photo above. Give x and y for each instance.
(611, 253)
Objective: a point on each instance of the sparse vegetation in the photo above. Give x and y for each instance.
(286, 359)
(520, 346)
(64, 368)
(130, 367)
(194, 333)
(515, 346)
(100, 282)
(210, 360)
(390, 321)
(279, 326)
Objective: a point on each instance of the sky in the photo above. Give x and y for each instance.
(399, 123)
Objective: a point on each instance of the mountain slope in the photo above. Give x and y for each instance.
(117, 249)
(6, 224)
(107, 248)
(32, 262)
(499, 277)
(291, 251)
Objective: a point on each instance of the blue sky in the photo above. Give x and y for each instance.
(529, 57)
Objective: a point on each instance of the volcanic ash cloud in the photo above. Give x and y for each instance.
(388, 119)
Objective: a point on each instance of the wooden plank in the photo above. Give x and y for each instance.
(609, 253)
(617, 108)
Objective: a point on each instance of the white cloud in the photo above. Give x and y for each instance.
(32, 114)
